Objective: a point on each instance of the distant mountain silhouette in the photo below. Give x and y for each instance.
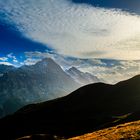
(35, 83)
(83, 78)
(6, 68)
(89, 108)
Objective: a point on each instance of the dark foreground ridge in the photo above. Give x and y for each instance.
(89, 108)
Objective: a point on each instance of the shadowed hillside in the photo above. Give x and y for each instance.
(89, 108)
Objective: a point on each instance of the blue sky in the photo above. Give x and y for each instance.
(126, 5)
(13, 42)
(105, 33)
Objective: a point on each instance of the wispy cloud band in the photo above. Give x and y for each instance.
(74, 30)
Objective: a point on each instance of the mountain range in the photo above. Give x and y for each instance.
(5, 69)
(83, 78)
(87, 109)
(42, 81)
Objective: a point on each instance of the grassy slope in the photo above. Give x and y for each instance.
(127, 131)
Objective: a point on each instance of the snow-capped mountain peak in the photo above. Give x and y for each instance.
(82, 77)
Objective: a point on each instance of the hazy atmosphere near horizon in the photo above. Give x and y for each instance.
(99, 37)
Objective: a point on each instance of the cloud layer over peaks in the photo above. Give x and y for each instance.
(80, 31)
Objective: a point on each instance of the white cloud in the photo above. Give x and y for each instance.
(6, 63)
(118, 71)
(33, 57)
(31, 61)
(15, 60)
(76, 30)
(10, 55)
(13, 57)
(3, 58)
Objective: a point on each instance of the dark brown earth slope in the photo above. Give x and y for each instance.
(89, 108)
